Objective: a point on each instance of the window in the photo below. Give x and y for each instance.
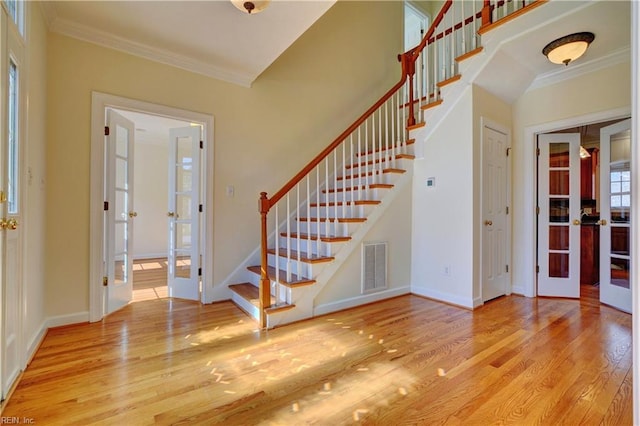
(12, 128)
(620, 189)
(15, 12)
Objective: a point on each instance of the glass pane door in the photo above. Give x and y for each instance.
(615, 213)
(119, 213)
(184, 213)
(559, 217)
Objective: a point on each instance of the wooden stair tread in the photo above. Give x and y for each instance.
(449, 80)
(271, 272)
(315, 237)
(407, 156)
(251, 293)
(356, 176)
(347, 203)
(378, 160)
(469, 54)
(333, 219)
(410, 141)
(432, 104)
(304, 257)
(415, 126)
(355, 188)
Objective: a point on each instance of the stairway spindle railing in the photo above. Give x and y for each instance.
(376, 138)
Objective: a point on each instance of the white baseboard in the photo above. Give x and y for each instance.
(60, 320)
(144, 256)
(352, 302)
(443, 297)
(516, 289)
(477, 302)
(34, 343)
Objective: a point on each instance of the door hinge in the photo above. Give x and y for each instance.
(507, 210)
(105, 281)
(201, 144)
(106, 130)
(199, 272)
(508, 151)
(537, 269)
(106, 206)
(506, 268)
(538, 152)
(3, 197)
(537, 210)
(200, 208)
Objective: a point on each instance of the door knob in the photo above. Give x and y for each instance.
(602, 222)
(171, 214)
(488, 223)
(133, 214)
(3, 224)
(576, 221)
(12, 224)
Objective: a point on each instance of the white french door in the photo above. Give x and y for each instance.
(559, 215)
(119, 212)
(615, 214)
(495, 250)
(184, 213)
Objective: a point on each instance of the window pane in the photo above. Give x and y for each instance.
(12, 6)
(12, 196)
(615, 187)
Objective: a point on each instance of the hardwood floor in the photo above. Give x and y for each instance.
(407, 360)
(149, 279)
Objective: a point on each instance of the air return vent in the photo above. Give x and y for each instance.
(374, 267)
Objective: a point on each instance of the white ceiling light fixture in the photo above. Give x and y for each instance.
(251, 7)
(568, 48)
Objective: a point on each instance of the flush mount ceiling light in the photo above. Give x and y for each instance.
(251, 7)
(568, 48)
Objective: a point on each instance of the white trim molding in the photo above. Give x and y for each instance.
(352, 302)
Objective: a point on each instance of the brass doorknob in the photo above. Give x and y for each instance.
(576, 222)
(3, 224)
(602, 222)
(171, 214)
(12, 224)
(488, 223)
(133, 214)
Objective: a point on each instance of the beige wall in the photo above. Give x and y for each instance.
(35, 152)
(263, 135)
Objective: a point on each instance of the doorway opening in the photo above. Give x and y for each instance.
(158, 197)
(584, 199)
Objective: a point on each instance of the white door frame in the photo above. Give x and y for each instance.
(487, 123)
(528, 215)
(99, 103)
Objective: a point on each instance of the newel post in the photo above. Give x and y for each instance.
(486, 13)
(409, 69)
(265, 286)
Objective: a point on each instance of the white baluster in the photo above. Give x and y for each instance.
(386, 134)
(352, 180)
(326, 187)
(277, 255)
(344, 179)
(366, 162)
(308, 245)
(298, 229)
(288, 220)
(358, 165)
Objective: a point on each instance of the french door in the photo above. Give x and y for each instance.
(559, 215)
(615, 213)
(119, 212)
(184, 213)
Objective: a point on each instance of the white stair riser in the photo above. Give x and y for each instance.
(307, 270)
(363, 194)
(247, 306)
(316, 247)
(390, 154)
(346, 211)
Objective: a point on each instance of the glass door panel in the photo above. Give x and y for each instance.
(184, 209)
(559, 230)
(615, 254)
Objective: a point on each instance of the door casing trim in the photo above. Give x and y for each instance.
(99, 103)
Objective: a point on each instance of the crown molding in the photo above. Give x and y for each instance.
(563, 73)
(101, 38)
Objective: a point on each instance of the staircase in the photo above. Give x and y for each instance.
(323, 213)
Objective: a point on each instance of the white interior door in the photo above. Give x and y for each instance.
(615, 214)
(495, 271)
(184, 213)
(559, 216)
(415, 26)
(119, 212)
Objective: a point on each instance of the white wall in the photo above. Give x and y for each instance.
(394, 227)
(150, 186)
(442, 222)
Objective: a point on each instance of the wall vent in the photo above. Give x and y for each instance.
(374, 267)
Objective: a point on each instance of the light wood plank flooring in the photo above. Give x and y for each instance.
(149, 279)
(407, 360)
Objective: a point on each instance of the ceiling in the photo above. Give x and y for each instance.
(519, 64)
(208, 37)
